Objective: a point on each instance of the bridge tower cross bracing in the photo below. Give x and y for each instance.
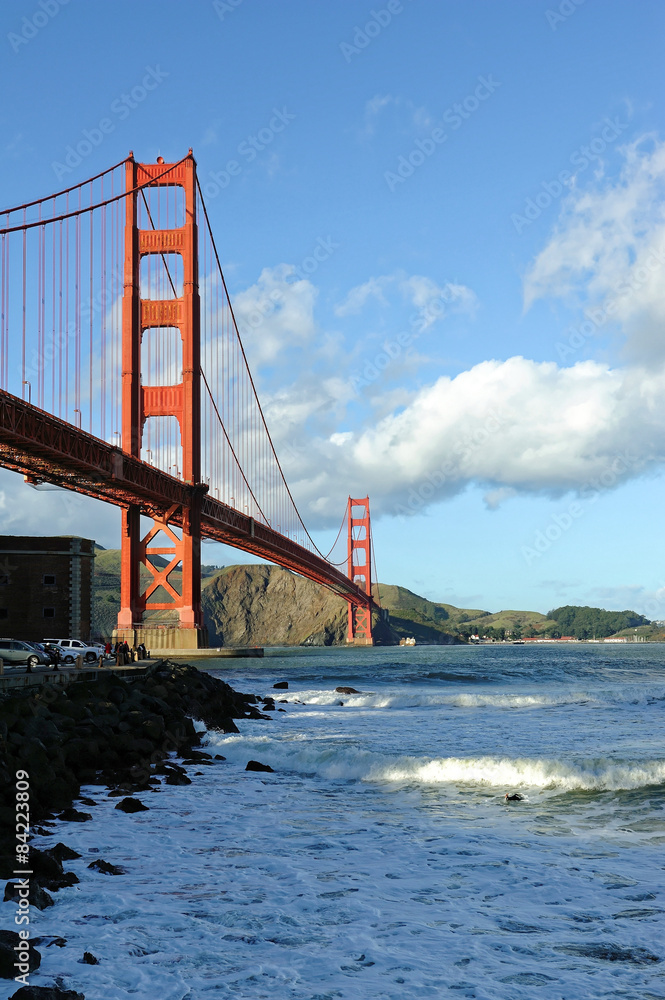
(359, 570)
(181, 400)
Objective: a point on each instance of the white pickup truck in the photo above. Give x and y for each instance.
(71, 648)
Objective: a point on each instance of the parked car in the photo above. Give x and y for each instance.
(71, 648)
(15, 652)
(41, 648)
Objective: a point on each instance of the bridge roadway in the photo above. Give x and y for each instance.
(46, 448)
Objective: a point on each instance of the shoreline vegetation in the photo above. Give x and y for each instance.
(116, 733)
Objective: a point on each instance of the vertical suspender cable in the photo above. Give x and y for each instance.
(25, 235)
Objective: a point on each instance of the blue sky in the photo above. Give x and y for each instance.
(461, 207)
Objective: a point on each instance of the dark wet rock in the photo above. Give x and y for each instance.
(89, 959)
(106, 868)
(281, 684)
(269, 704)
(281, 710)
(48, 871)
(87, 802)
(48, 941)
(514, 797)
(283, 701)
(176, 778)
(74, 816)
(129, 805)
(218, 756)
(62, 853)
(8, 941)
(168, 767)
(199, 755)
(255, 765)
(109, 732)
(609, 952)
(46, 993)
(346, 690)
(227, 726)
(37, 896)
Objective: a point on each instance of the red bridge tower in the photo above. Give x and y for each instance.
(182, 400)
(359, 564)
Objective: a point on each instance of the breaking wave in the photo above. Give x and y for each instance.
(402, 699)
(340, 762)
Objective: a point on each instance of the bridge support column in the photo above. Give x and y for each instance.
(176, 532)
(129, 567)
(359, 564)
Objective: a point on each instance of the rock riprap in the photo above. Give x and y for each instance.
(108, 731)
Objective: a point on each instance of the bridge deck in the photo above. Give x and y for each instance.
(35, 443)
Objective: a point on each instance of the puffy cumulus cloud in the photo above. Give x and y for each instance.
(308, 410)
(512, 426)
(275, 314)
(607, 254)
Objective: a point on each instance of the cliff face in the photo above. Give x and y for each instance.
(267, 605)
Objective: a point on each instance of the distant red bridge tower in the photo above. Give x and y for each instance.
(359, 570)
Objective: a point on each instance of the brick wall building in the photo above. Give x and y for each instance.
(45, 587)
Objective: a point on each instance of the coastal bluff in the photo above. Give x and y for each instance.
(265, 605)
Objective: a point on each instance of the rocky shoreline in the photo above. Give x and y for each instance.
(117, 733)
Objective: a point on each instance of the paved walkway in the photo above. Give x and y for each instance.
(18, 677)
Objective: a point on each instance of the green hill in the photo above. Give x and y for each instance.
(407, 608)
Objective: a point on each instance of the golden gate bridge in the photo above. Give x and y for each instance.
(123, 376)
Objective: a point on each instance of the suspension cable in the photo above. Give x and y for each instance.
(249, 374)
(91, 208)
(52, 197)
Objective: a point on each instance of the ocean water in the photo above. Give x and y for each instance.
(381, 859)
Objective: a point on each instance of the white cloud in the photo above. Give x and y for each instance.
(512, 426)
(357, 298)
(275, 314)
(25, 511)
(608, 251)
(431, 301)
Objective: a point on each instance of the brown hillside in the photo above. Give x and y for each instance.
(269, 606)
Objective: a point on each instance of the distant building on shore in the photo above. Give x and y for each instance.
(45, 587)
